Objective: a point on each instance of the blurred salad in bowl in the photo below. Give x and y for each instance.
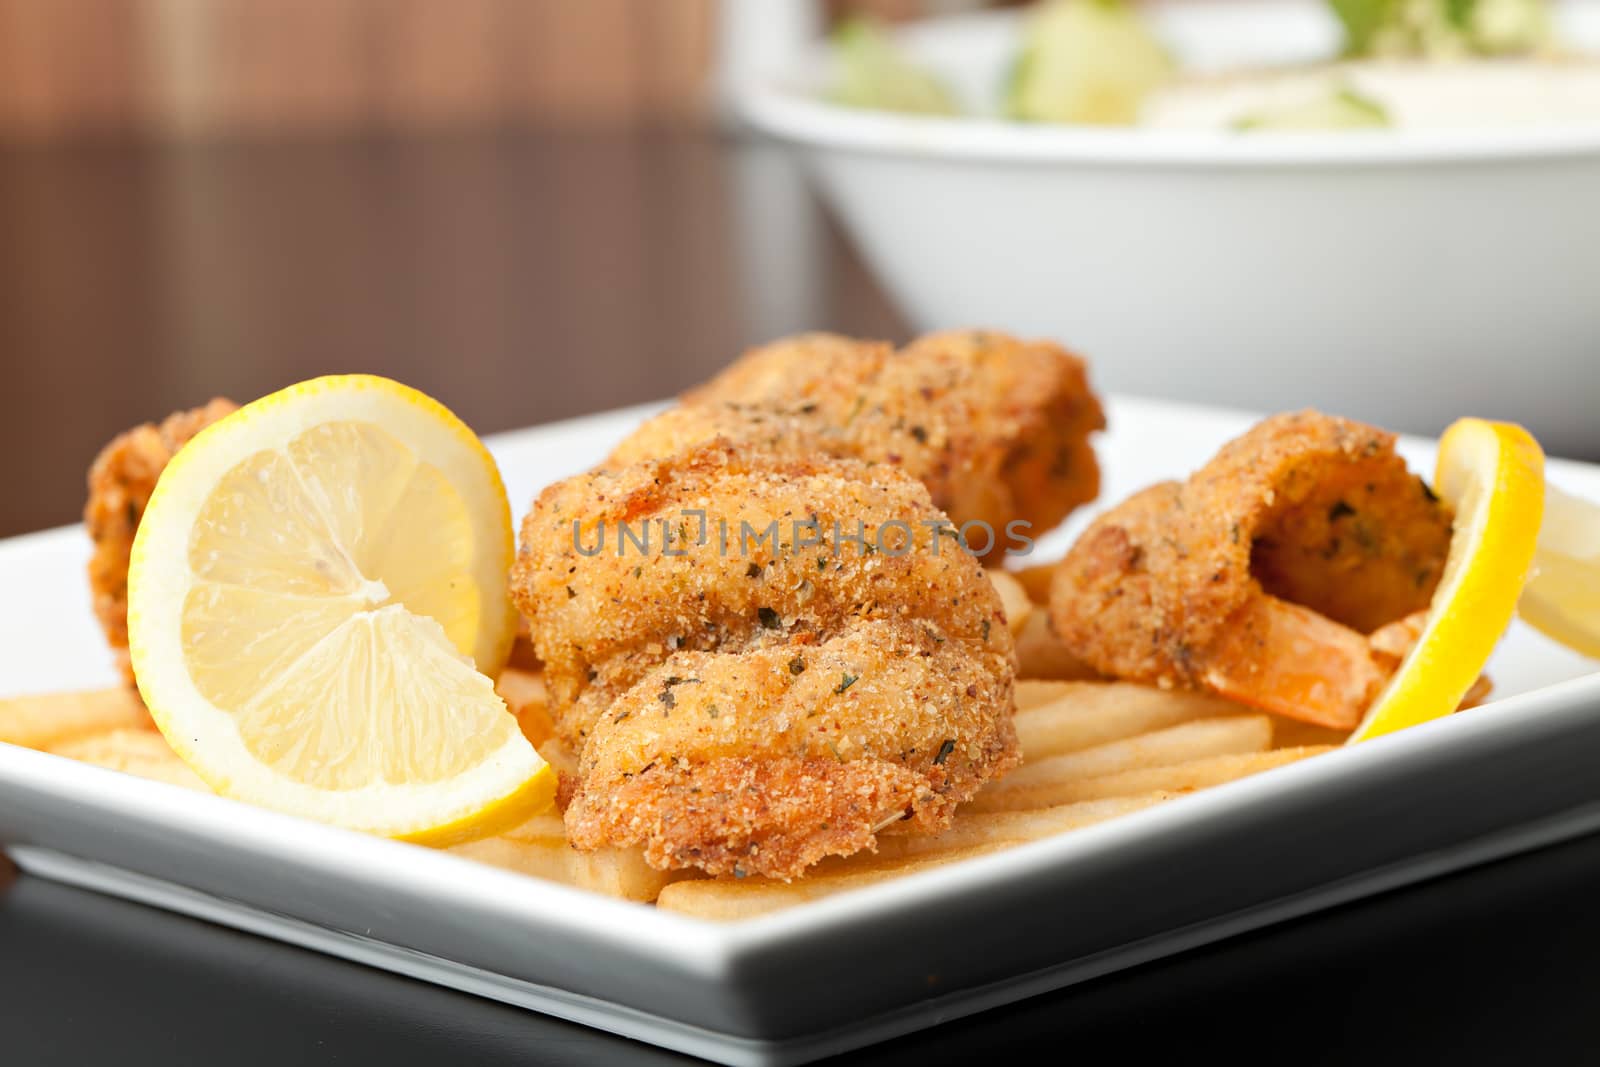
(1410, 63)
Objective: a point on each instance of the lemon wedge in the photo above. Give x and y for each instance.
(316, 594)
(1562, 599)
(1492, 474)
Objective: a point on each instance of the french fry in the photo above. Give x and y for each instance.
(728, 899)
(520, 688)
(1013, 597)
(1040, 654)
(1290, 733)
(971, 835)
(51, 718)
(540, 828)
(1171, 780)
(539, 848)
(978, 831)
(973, 828)
(528, 699)
(1081, 715)
(143, 753)
(522, 653)
(559, 756)
(1163, 748)
(1034, 692)
(1037, 579)
(1095, 750)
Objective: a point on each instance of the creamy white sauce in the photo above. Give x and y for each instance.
(1443, 95)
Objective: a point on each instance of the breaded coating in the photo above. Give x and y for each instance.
(120, 483)
(765, 761)
(1332, 518)
(759, 657)
(781, 431)
(1308, 528)
(820, 369)
(997, 428)
(1007, 425)
(1115, 602)
(617, 569)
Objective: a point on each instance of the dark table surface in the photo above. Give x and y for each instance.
(1493, 966)
(523, 279)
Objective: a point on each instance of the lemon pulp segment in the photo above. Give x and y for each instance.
(1562, 599)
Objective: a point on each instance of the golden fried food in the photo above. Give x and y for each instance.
(1259, 577)
(1041, 654)
(50, 719)
(723, 548)
(762, 586)
(120, 483)
(997, 428)
(767, 760)
(822, 370)
(798, 504)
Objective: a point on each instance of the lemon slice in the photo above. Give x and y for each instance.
(1492, 474)
(316, 593)
(1562, 599)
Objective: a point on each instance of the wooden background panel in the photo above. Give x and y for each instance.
(200, 67)
(71, 64)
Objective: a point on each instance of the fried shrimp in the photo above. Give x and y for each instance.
(766, 761)
(762, 630)
(720, 548)
(1260, 577)
(997, 428)
(120, 483)
(705, 621)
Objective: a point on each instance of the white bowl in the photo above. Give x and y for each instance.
(1402, 276)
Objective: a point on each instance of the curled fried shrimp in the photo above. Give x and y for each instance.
(723, 548)
(121, 480)
(1260, 577)
(763, 659)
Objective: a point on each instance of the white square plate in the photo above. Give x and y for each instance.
(848, 970)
